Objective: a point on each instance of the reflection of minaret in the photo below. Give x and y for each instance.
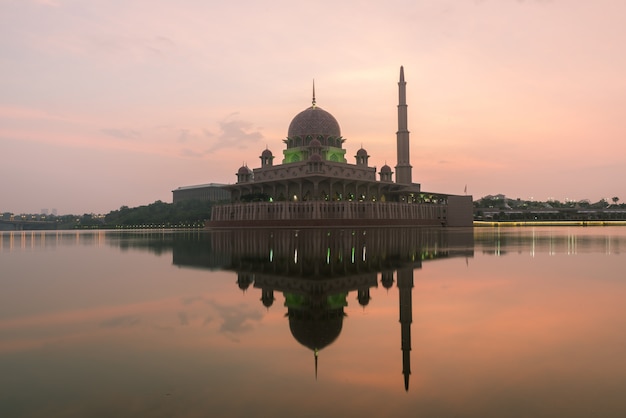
(405, 286)
(403, 167)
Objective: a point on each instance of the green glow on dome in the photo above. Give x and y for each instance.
(337, 301)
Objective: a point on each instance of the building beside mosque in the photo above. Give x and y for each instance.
(315, 185)
(212, 192)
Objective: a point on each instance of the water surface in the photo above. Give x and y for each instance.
(510, 322)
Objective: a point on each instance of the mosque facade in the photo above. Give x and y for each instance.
(315, 185)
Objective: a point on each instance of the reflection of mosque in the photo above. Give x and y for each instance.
(316, 269)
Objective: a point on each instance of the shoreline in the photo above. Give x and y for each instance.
(547, 223)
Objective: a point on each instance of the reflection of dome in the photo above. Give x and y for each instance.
(315, 321)
(316, 331)
(385, 169)
(314, 121)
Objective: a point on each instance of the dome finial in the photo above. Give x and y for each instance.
(313, 102)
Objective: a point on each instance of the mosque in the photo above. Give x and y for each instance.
(316, 186)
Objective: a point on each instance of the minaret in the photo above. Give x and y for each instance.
(405, 289)
(403, 168)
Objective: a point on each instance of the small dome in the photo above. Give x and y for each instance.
(361, 153)
(315, 143)
(314, 121)
(266, 153)
(385, 169)
(244, 170)
(315, 158)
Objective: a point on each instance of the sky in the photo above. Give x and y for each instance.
(105, 103)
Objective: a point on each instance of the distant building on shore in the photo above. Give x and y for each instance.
(212, 192)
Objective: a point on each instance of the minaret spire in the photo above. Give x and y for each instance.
(313, 102)
(403, 167)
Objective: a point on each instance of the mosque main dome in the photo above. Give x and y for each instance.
(314, 121)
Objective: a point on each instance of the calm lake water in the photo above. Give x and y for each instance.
(487, 322)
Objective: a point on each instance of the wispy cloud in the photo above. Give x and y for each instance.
(121, 133)
(236, 319)
(190, 153)
(50, 3)
(184, 135)
(232, 134)
(235, 133)
(31, 113)
(123, 321)
(183, 319)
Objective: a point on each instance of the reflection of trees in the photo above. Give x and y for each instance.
(548, 240)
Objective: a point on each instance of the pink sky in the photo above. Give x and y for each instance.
(108, 103)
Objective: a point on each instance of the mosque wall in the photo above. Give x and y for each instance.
(328, 214)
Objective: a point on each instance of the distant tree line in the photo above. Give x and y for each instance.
(185, 214)
(188, 213)
(502, 202)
